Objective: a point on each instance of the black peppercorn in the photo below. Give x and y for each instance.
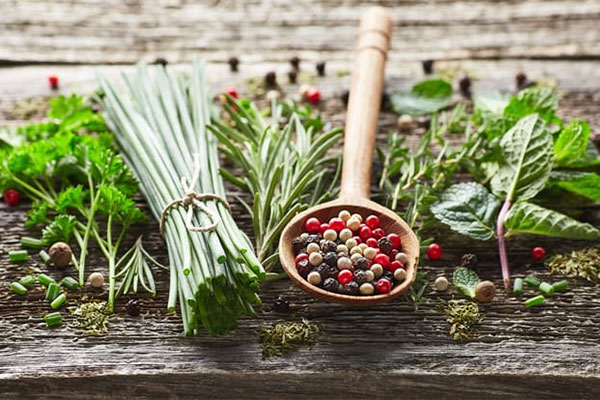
(520, 79)
(361, 263)
(292, 75)
(328, 246)
(313, 239)
(303, 268)
(233, 63)
(388, 275)
(332, 285)
(330, 259)
(351, 288)
(321, 68)
(385, 245)
(271, 79)
(295, 61)
(465, 86)
(527, 84)
(360, 276)
(326, 271)
(161, 61)
(428, 66)
(298, 245)
(133, 307)
(468, 260)
(345, 96)
(281, 305)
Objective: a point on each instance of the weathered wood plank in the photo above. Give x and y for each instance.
(116, 31)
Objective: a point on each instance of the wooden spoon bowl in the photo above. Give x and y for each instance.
(359, 144)
(390, 222)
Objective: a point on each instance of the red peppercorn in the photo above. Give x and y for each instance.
(396, 240)
(362, 225)
(383, 286)
(434, 251)
(312, 225)
(372, 221)
(378, 233)
(53, 81)
(538, 253)
(324, 227)
(393, 254)
(11, 197)
(358, 239)
(345, 276)
(371, 242)
(300, 257)
(312, 95)
(382, 259)
(394, 265)
(337, 224)
(365, 233)
(232, 92)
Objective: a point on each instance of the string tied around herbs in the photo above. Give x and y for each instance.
(192, 201)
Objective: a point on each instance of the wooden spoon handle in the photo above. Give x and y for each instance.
(364, 103)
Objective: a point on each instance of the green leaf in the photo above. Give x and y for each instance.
(590, 159)
(465, 280)
(524, 217)
(540, 100)
(527, 152)
(493, 102)
(9, 137)
(585, 184)
(37, 214)
(425, 97)
(469, 209)
(572, 142)
(113, 202)
(60, 230)
(70, 198)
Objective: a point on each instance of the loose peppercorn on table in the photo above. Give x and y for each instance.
(548, 351)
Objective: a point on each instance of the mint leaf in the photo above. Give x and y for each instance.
(524, 217)
(527, 151)
(540, 100)
(493, 102)
(465, 280)
(585, 184)
(572, 142)
(60, 230)
(425, 97)
(469, 209)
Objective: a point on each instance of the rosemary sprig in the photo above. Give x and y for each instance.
(133, 270)
(283, 156)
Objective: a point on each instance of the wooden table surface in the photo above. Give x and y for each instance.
(548, 352)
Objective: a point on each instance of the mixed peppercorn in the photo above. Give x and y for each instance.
(348, 256)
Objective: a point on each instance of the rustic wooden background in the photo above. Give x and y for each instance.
(548, 352)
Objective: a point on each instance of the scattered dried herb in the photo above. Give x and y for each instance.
(92, 317)
(283, 337)
(583, 263)
(464, 316)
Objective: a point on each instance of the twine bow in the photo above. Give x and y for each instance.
(193, 200)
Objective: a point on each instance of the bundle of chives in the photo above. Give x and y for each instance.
(161, 128)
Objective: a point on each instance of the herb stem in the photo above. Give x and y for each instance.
(502, 244)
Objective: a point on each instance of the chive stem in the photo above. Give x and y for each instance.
(70, 283)
(45, 257)
(532, 281)
(45, 279)
(52, 291)
(57, 302)
(518, 287)
(546, 288)
(534, 301)
(32, 243)
(27, 280)
(53, 319)
(18, 288)
(18, 255)
(561, 286)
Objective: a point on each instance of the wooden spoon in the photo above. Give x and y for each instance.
(359, 143)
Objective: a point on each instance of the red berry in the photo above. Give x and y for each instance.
(378, 233)
(396, 240)
(53, 81)
(365, 233)
(324, 227)
(383, 286)
(393, 254)
(337, 224)
(394, 265)
(371, 242)
(312, 225)
(11, 197)
(382, 259)
(312, 95)
(434, 251)
(372, 221)
(345, 276)
(358, 239)
(538, 253)
(362, 225)
(300, 257)
(232, 92)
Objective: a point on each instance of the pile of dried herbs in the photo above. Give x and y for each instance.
(464, 316)
(91, 317)
(278, 339)
(583, 263)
